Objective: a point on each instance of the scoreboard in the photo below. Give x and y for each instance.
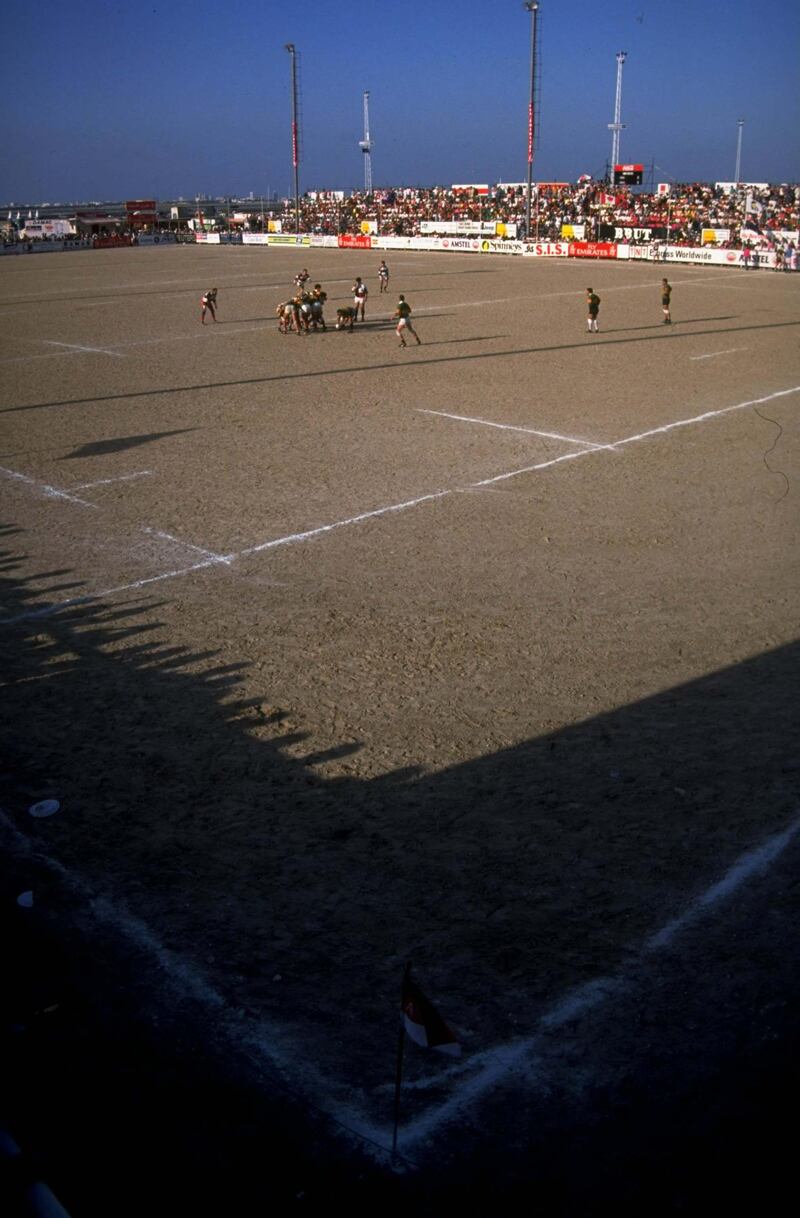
(628, 175)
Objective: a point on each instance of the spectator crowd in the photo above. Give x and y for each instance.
(747, 215)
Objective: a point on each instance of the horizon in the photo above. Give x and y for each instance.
(348, 191)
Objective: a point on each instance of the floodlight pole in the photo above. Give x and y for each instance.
(366, 147)
(739, 153)
(290, 47)
(617, 126)
(532, 7)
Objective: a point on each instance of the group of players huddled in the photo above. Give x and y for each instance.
(303, 312)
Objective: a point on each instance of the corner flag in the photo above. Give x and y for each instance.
(423, 1023)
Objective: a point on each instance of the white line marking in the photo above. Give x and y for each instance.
(292, 538)
(51, 492)
(28, 359)
(224, 558)
(272, 1041)
(77, 347)
(549, 435)
(714, 354)
(496, 1064)
(90, 598)
(746, 866)
(320, 530)
(702, 418)
(83, 486)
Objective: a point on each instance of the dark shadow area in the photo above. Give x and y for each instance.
(686, 321)
(101, 448)
(282, 898)
(448, 342)
(664, 334)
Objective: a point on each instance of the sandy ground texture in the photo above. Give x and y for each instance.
(480, 654)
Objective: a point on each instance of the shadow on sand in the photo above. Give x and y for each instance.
(204, 884)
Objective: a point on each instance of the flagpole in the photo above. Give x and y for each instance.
(398, 1076)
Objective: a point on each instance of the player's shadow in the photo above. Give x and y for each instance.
(476, 338)
(655, 325)
(671, 334)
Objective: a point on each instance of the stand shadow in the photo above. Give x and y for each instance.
(215, 924)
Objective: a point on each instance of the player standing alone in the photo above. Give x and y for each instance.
(403, 315)
(593, 305)
(383, 276)
(360, 293)
(666, 292)
(208, 303)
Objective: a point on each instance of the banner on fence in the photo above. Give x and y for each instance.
(573, 232)
(593, 249)
(255, 239)
(48, 228)
(631, 232)
(288, 239)
(639, 253)
(351, 241)
(502, 247)
(547, 249)
(714, 236)
(458, 227)
(708, 255)
(207, 238)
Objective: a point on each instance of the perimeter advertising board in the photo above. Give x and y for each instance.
(547, 249)
(48, 228)
(288, 239)
(351, 241)
(593, 249)
(631, 232)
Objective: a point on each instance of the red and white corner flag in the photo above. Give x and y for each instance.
(423, 1023)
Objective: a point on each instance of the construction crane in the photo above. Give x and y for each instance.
(366, 147)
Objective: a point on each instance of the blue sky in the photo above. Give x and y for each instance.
(154, 100)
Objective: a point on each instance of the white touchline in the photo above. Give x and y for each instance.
(83, 486)
(714, 354)
(497, 1063)
(91, 597)
(375, 513)
(549, 435)
(702, 418)
(223, 558)
(51, 491)
(493, 1065)
(77, 347)
(292, 538)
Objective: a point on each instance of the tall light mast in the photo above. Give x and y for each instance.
(533, 8)
(740, 124)
(617, 126)
(290, 47)
(366, 147)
